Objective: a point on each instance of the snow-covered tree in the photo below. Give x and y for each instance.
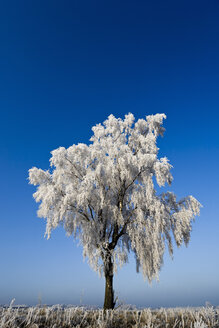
(103, 194)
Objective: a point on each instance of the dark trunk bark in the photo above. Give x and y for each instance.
(109, 292)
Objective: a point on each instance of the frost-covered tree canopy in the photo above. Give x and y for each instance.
(103, 193)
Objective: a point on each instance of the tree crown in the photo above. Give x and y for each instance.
(103, 193)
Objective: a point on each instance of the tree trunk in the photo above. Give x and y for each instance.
(109, 293)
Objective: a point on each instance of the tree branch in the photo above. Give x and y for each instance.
(126, 188)
(80, 212)
(91, 211)
(80, 178)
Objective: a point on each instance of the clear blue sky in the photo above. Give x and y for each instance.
(67, 65)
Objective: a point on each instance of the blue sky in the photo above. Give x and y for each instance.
(67, 65)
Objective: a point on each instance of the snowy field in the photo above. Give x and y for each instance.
(59, 316)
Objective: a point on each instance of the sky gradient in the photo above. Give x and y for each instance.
(65, 66)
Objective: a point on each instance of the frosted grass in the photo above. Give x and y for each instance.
(80, 317)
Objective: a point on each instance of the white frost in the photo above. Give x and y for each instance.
(103, 193)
